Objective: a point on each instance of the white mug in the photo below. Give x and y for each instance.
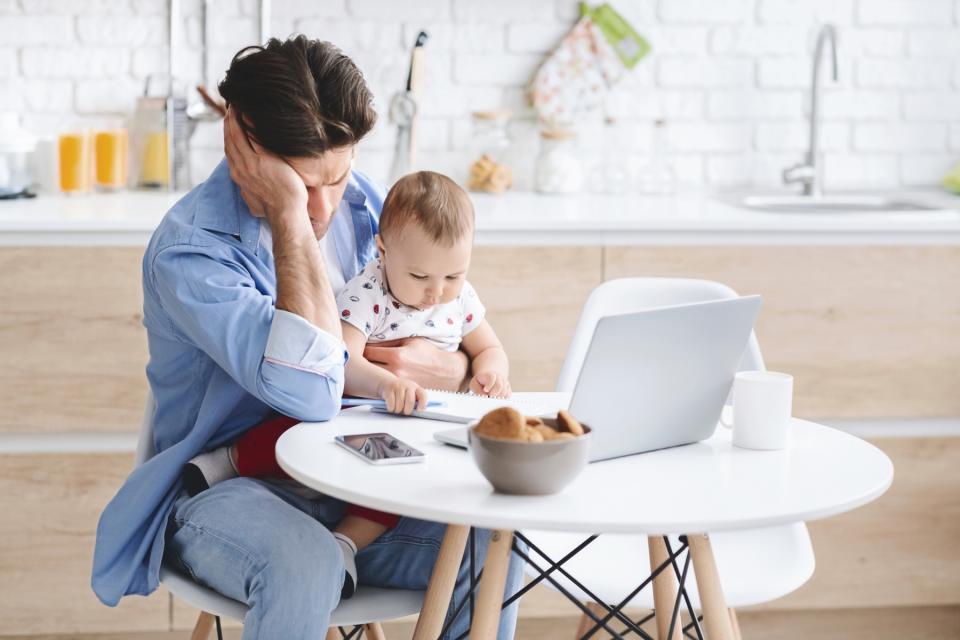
(762, 402)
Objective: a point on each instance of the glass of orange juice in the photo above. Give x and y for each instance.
(75, 155)
(110, 159)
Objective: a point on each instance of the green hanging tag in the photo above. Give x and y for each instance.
(629, 45)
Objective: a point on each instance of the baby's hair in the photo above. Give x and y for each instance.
(437, 204)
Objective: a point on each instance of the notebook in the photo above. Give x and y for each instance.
(467, 407)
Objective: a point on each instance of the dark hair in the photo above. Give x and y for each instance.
(300, 97)
(437, 204)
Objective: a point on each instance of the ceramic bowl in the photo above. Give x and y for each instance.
(529, 468)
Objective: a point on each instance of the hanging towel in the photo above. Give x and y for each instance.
(590, 59)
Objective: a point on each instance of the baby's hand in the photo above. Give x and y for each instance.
(490, 383)
(402, 396)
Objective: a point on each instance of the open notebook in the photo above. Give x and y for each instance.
(466, 407)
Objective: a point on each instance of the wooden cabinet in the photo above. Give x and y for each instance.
(72, 341)
(900, 550)
(866, 331)
(50, 505)
(533, 298)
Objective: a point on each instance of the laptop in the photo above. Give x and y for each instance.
(656, 378)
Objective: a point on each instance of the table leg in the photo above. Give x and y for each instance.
(664, 589)
(442, 580)
(492, 584)
(716, 615)
(736, 625)
(586, 622)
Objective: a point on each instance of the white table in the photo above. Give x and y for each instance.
(707, 486)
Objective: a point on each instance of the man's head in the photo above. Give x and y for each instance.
(426, 238)
(307, 102)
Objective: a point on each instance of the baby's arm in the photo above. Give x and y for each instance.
(366, 380)
(488, 360)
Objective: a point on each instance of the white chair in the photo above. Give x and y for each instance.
(756, 565)
(367, 607)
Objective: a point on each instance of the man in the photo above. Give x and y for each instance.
(239, 282)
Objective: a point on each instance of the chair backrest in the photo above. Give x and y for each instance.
(145, 449)
(629, 295)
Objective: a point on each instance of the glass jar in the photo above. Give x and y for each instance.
(610, 174)
(490, 170)
(657, 177)
(558, 166)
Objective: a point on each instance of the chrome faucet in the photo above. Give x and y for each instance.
(808, 173)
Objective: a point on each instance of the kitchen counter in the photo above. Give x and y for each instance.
(517, 218)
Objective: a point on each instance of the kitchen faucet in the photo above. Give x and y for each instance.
(808, 173)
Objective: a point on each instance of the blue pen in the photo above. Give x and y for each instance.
(370, 402)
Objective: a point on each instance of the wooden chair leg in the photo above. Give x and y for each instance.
(586, 623)
(373, 631)
(716, 615)
(735, 624)
(201, 630)
(440, 588)
(664, 589)
(487, 614)
(332, 634)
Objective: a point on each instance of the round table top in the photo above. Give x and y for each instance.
(702, 487)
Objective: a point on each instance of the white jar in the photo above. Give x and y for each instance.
(16, 157)
(558, 168)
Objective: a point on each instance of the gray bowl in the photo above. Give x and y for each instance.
(529, 468)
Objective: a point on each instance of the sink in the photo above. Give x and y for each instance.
(828, 204)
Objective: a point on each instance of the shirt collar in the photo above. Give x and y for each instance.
(354, 193)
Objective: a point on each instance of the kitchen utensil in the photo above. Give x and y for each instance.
(403, 113)
(16, 149)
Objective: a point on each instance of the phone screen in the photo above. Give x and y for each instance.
(378, 446)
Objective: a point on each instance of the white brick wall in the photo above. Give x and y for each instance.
(729, 76)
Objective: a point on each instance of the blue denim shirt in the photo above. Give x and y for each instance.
(222, 358)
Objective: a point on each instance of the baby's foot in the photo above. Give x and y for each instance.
(207, 469)
(349, 550)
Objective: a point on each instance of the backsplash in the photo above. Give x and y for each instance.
(730, 77)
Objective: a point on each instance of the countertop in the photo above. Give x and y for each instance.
(518, 218)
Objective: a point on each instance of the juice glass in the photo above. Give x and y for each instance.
(75, 155)
(110, 153)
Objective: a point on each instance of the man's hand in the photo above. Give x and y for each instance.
(267, 183)
(490, 383)
(402, 396)
(418, 359)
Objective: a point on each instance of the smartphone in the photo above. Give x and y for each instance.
(380, 448)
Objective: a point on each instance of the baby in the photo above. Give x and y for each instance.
(416, 289)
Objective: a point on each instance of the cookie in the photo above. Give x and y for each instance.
(505, 422)
(546, 432)
(568, 423)
(533, 435)
(533, 421)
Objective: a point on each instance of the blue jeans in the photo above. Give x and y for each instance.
(272, 549)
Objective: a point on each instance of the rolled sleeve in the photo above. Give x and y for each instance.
(214, 304)
(295, 342)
